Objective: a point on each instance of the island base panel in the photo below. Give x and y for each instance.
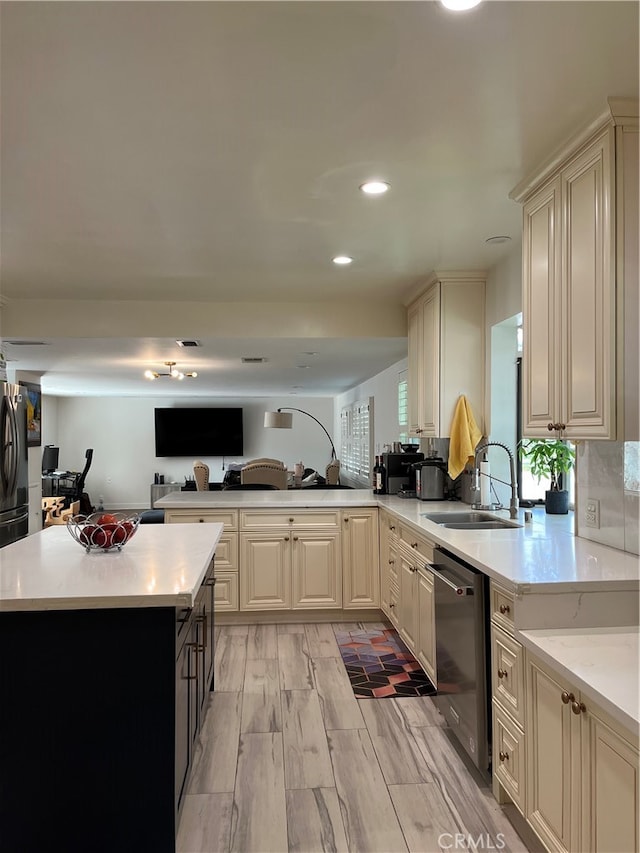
(87, 730)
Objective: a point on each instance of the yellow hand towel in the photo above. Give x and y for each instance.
(465, 435)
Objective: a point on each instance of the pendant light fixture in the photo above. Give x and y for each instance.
(172, 372)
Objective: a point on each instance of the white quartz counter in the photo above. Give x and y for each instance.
(162, 565)
(603, 663)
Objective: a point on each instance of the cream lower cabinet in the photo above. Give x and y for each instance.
(388, 529)
(361, 558)
(290, 561)
(426, 645)
(416, 614)
(507, 690)
(582, 769)
(226, 559)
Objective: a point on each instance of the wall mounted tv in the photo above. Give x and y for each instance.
(198, 432)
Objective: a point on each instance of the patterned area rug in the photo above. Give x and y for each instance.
(380, 665)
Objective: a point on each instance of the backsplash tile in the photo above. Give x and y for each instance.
(605, 471)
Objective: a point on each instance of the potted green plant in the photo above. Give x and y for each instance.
(550, 459)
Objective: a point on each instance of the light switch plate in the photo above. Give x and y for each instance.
(592, 513)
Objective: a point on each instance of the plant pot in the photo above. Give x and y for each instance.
(556, 503)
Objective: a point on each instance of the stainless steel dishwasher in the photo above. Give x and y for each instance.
(462, 654)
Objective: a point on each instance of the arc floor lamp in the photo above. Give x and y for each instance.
(283, 419)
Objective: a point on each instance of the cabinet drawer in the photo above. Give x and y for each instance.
(507, 665)
(191, 516)
(415, 544)
(393, 529)
(227, 553)
(508, 756)
(502, 605)
(261, 520)
(226, 591)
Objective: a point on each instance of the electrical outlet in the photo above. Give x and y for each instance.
(592, 513)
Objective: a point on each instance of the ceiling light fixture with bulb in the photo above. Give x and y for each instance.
(172, 373)
(460, 5)
(374, 187)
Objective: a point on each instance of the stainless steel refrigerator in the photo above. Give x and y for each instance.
(14, 477)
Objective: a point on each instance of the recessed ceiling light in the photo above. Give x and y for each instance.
(374, 187)
(460, 5)
(186, 343)
(342, 260)
(494, 241)
(302, 366)
(309, 353)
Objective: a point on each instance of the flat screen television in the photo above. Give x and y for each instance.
(198, 432)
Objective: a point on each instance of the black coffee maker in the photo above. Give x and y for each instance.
(399, 470)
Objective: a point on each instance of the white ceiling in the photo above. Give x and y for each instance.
(212, 151)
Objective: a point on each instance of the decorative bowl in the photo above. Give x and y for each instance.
(103, 531)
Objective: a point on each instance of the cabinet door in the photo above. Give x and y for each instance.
(610, 785)
(407, 603)
(360, 559)
(430, 367)
(541, 310)
(553, 760)
(265, 571)
(183, 728)
(316, 572)
(387, 559)
(426, 644)
(588, 339)
(414, 366)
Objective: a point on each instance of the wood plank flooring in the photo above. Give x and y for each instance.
(289, 760)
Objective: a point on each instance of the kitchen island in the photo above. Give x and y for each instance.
(107, 660)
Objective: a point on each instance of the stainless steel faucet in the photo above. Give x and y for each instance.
(513, 505)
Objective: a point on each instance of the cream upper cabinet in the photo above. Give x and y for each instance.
(576, 269)
(446, 346)
(360, 558)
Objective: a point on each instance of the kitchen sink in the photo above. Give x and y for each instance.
(469, 520)
(498, 524)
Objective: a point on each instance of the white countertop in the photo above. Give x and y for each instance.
(543, 554)
(162, 565)
(285, 498)
(602, 663)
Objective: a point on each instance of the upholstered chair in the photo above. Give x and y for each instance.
(268, 471)
(201, 475)
(332, 474)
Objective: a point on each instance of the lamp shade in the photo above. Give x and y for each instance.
(278, 420)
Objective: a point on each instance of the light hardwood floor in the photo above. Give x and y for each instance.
(289, 760)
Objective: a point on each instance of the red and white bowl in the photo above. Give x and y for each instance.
(103, 531)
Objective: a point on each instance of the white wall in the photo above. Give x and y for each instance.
(384, 389)
(121, 433)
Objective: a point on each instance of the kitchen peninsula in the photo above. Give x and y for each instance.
(107, 661)
(562, 638)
